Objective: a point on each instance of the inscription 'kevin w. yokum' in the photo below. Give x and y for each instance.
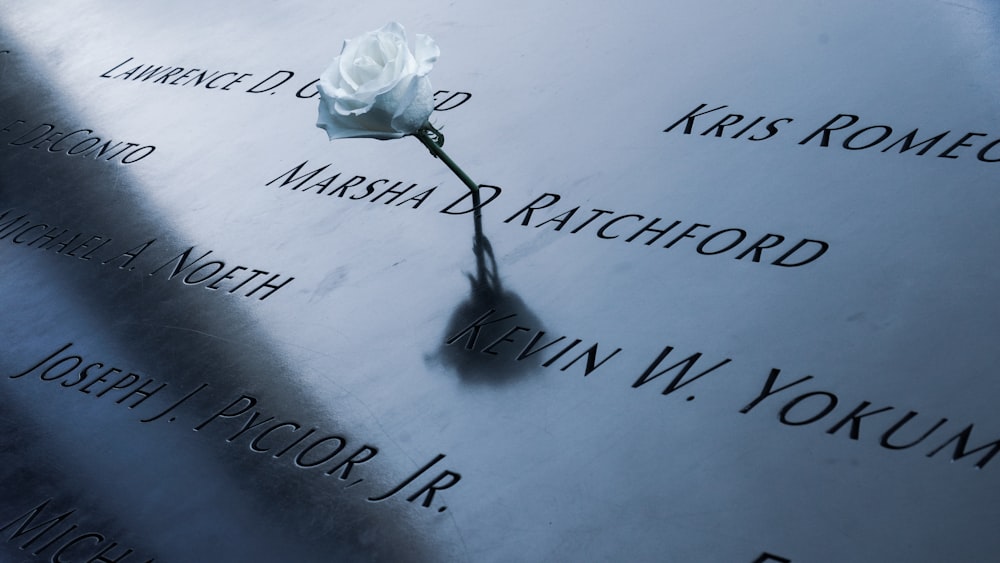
(885, 425)
(549, 351)
(501, 336)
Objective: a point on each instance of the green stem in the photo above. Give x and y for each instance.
(427, 135)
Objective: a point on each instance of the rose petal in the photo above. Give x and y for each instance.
(341, 67)
(394, 28)
(426, 54)
(377, 87)
(415, 105)
(340, 127)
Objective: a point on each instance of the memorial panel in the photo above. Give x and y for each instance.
(732, 297)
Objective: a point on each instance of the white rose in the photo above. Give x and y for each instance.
(376, 87)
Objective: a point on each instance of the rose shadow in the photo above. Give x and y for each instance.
(478, 356)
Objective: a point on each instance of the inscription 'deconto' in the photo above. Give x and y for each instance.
(79, 142)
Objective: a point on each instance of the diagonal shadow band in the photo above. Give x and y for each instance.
(235, 506)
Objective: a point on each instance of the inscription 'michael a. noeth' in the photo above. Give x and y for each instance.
(43, 531)
(186, 266)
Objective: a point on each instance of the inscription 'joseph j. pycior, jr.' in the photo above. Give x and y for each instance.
(303, 446)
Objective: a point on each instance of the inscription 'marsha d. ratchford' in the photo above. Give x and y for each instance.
(78, 142)
(604, 224)
(355, 187)
(705, 240)
(202, 271)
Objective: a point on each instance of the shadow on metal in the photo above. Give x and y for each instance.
(474, 346)
(214, 502)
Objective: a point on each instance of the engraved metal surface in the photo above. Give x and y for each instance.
(735, 301)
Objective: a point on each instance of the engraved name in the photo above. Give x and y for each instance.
(496, 333)
(79, 142)
(48, 531)
(444, 100)
(303, 446)
(98, 379)
(542, 212)
(190, 267)
(844, 130)
(886, 425)
(315, 449)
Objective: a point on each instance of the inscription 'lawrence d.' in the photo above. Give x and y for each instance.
(444, 100)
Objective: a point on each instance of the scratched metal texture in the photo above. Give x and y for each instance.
(566, 99)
